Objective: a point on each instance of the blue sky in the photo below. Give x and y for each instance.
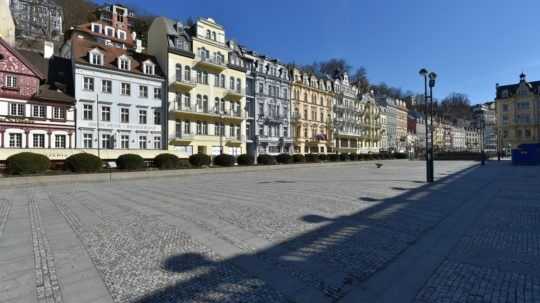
(471, 44)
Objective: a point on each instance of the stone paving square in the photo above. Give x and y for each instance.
(328, 233)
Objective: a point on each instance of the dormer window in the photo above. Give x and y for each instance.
(124, 63)
(96, 57)
(121, 35)
(96, 28)
(149, 68)
(109, 31)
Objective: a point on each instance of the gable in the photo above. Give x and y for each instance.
(13, 62)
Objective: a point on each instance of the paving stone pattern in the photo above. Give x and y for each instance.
(47, 286)
(296, 235)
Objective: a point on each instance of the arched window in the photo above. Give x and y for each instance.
(199, 102)
(187, 73)
(214, 36)
(222, 81)
(322, 101)
(216, 105)
(187, 100)
(205, 77)
(205, 104)
(231, 83)
(199, 76)
(314, 99)
(208, 34)
(178, 72)
(305, 97)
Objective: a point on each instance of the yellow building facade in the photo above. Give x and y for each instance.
(206, 86)
(372, 125)
(518, 114)
(311, 106)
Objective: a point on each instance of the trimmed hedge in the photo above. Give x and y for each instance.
(27, 163)
(344, 157)
(299, 158)
(323, 157)
(166, 161)
(312, 158)
(333, 157)
(130, 162)
(199, 160)
(266, 160)
(245, 160)
(83, 163)
(354, 157)
(225, 160)
(284, 159)
(400, 155)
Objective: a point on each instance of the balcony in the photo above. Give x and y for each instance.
(212, 64)
(295, 117)
(228, 115)
(235, 94)
(236, 140)
(181, 84)
(182, 138)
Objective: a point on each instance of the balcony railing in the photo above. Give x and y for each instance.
(183, 83)
(215, 111)
(211, 62)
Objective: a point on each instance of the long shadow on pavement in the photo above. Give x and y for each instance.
(323, 264)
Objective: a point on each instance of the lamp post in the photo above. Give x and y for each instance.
(432, 77)
(483, 126)
(221, 131)
(429, 133)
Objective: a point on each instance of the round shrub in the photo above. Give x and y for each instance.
(312, 158)
(333, 157)
(344, 157)
(199, 160)
(27, 163)
(299, 158)
(83, 163)
(284, 158)
(400, 155)
(266, 160)
(225, 160)
(166, 161)
(323, 157)
(130, 162)
(245, 160)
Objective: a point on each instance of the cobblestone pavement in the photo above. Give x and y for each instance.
(498, 259)
(292, 235)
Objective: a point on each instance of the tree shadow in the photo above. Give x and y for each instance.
(368, 199)
(325, 262)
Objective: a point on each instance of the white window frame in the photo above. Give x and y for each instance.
(157, 93)
(17, 109)
(124, 115)
(126, 89)
(143, 116)
(88, 138)
(95, 57)
(59, 113)
(40, 139)
(142, 142)
(121, 35)
(143, 91)
(11, 81)
(124, 59)
(107, 28)
(88, 112)
(88, 85)
(124, 141)
(149, 68)
(109, 86)
(105, 113)
(60, 141)
(96, 25)
(15, 140)
(157, 142)
(39, 111)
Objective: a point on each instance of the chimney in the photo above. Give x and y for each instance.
(48, 49)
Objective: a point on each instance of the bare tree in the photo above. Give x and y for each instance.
(455, 106)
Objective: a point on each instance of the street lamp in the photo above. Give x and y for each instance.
(429, 129)
(483, 126)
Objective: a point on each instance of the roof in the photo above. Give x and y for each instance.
(23, 59)
(58, 80)
(87, 28)
(81, 48)
(512, 88)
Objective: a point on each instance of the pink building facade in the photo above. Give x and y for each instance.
(33, 112)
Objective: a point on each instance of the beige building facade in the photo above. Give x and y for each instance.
(206, 87)
(311, 105)
(518, 113)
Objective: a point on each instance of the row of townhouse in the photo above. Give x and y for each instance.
(189, 91)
